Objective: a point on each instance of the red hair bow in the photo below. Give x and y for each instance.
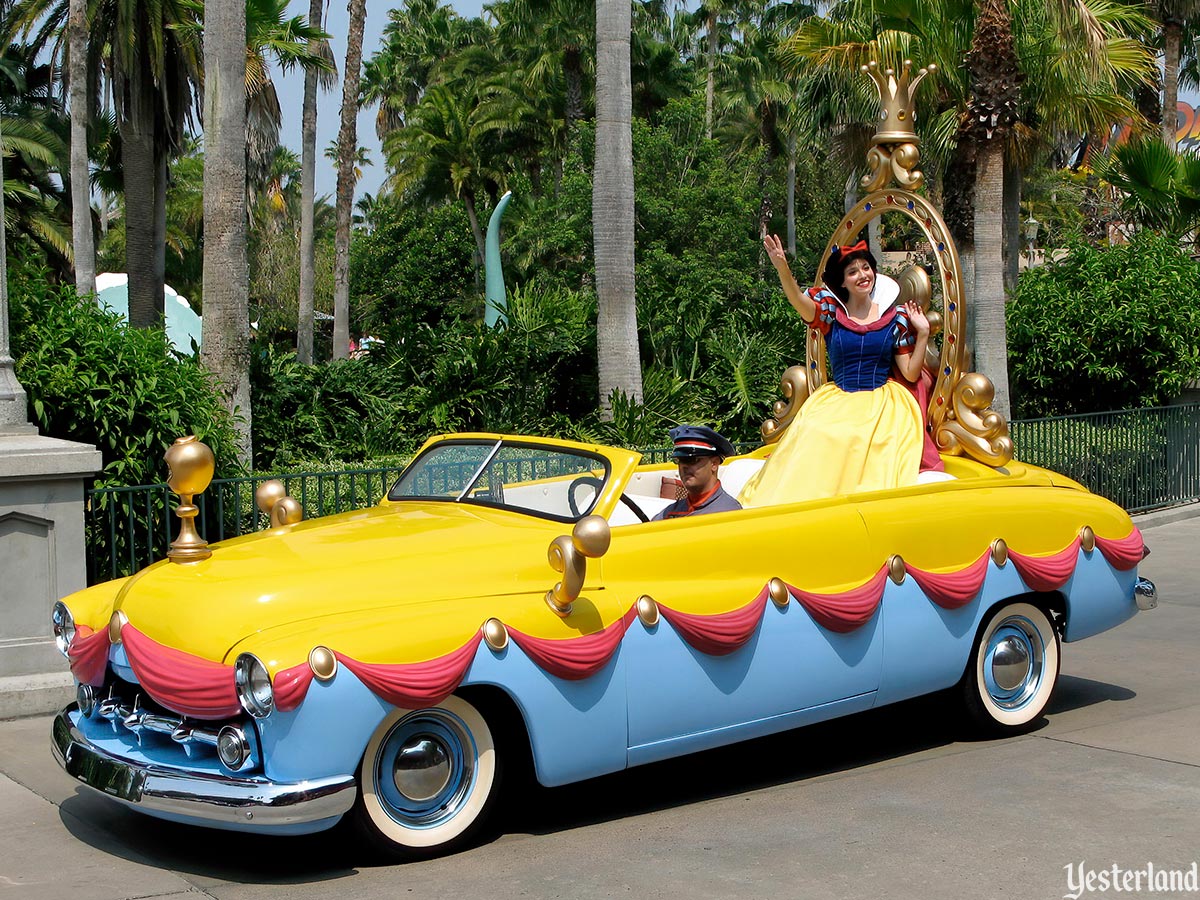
(861, 245)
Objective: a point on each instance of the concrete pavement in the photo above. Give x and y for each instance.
(886, 804)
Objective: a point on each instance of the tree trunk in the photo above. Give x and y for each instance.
(226, 349)
(612, 208)
(308, 181)
(710, 84)
(82, 237)
(1172, 38)
(991, 353)
(476, 232)
(139, 160)
(1013, 232)
(791, 197)
(347, 146)
(573, 74)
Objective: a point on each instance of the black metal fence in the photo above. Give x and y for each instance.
(1141, 459)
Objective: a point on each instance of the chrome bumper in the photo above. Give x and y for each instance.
(246, 803)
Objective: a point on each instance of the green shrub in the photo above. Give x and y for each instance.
(1106, 328)
(91, 378)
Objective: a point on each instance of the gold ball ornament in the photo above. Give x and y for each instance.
(778, 592)
(591, 536)
(495, 635)
(267, 494)
(647, 610)
(192, 464)
(896, 568)
(1087, 539)
(116, 622)
(999, 552)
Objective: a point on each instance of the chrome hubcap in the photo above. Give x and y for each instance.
(422, 768)
(1010, 663)
(1013, 662)
(425, 768)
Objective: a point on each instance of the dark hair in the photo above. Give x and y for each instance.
(835, 270)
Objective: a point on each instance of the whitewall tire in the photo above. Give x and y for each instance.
(1013, 670)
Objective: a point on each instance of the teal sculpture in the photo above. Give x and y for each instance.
(496, 309)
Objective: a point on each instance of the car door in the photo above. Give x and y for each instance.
(688, 686)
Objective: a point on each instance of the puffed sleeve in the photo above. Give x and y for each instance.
(905, 334)
(826, 304)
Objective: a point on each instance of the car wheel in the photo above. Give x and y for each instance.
(1013, 671)
(427, 779)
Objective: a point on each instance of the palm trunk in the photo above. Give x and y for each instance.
(991, 354)
(476, 232)
(613, 209)
(711, 81)
(139, 161)
(1172, 38)
(226, 350)
(791, 197)
(573, 74)
(1012, 225)
(82, 238)
(308, 180)
(347, 145)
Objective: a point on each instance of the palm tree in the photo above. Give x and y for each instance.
(226, 350)
(308, 181)
(1174, 15)
(557, 36)
(347, 143)
(83, 240)
(612, 208)
(442, 153)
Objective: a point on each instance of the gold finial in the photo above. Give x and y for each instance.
(896, 116)
(272, 498)
(192, 465)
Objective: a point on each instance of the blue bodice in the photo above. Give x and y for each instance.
(861, 356)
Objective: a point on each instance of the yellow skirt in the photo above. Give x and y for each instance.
(840, 443)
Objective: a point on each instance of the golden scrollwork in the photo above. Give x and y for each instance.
(272, 499)
(895, 164)
(191, 464)
(794, 385)
(568, 555)
(973, 428)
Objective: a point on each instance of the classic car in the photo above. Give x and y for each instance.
(511, 595)
(366, 664)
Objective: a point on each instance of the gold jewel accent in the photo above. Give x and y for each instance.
(1087, 539)
(647, 610)
(191, 464)
(495, 635)
(322, 662)
(778, 592)
(999, 552)
(116, 622)
(896, 568)
(568, 555)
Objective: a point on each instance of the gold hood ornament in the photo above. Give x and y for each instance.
(191, 464)
(960, 417)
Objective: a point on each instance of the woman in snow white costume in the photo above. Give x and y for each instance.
(861, 431)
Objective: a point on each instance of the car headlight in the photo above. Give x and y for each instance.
(253, 684)
(64, 627)
(232, 746)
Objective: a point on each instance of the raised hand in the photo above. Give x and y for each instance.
(917, 317)
(774, 249)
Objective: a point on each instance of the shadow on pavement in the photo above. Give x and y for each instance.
(842, 745)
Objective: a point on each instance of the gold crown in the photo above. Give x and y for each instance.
(896, 117)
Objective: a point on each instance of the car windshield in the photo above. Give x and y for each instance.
(552, 482)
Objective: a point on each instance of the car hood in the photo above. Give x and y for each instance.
(406, 554)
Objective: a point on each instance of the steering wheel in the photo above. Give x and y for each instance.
(596, 483)
(582, 481)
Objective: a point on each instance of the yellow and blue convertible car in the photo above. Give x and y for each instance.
(508, 597)
(511, 596)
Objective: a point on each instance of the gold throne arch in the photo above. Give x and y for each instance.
(960, 417)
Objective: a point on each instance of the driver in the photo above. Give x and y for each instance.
(699, 451)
